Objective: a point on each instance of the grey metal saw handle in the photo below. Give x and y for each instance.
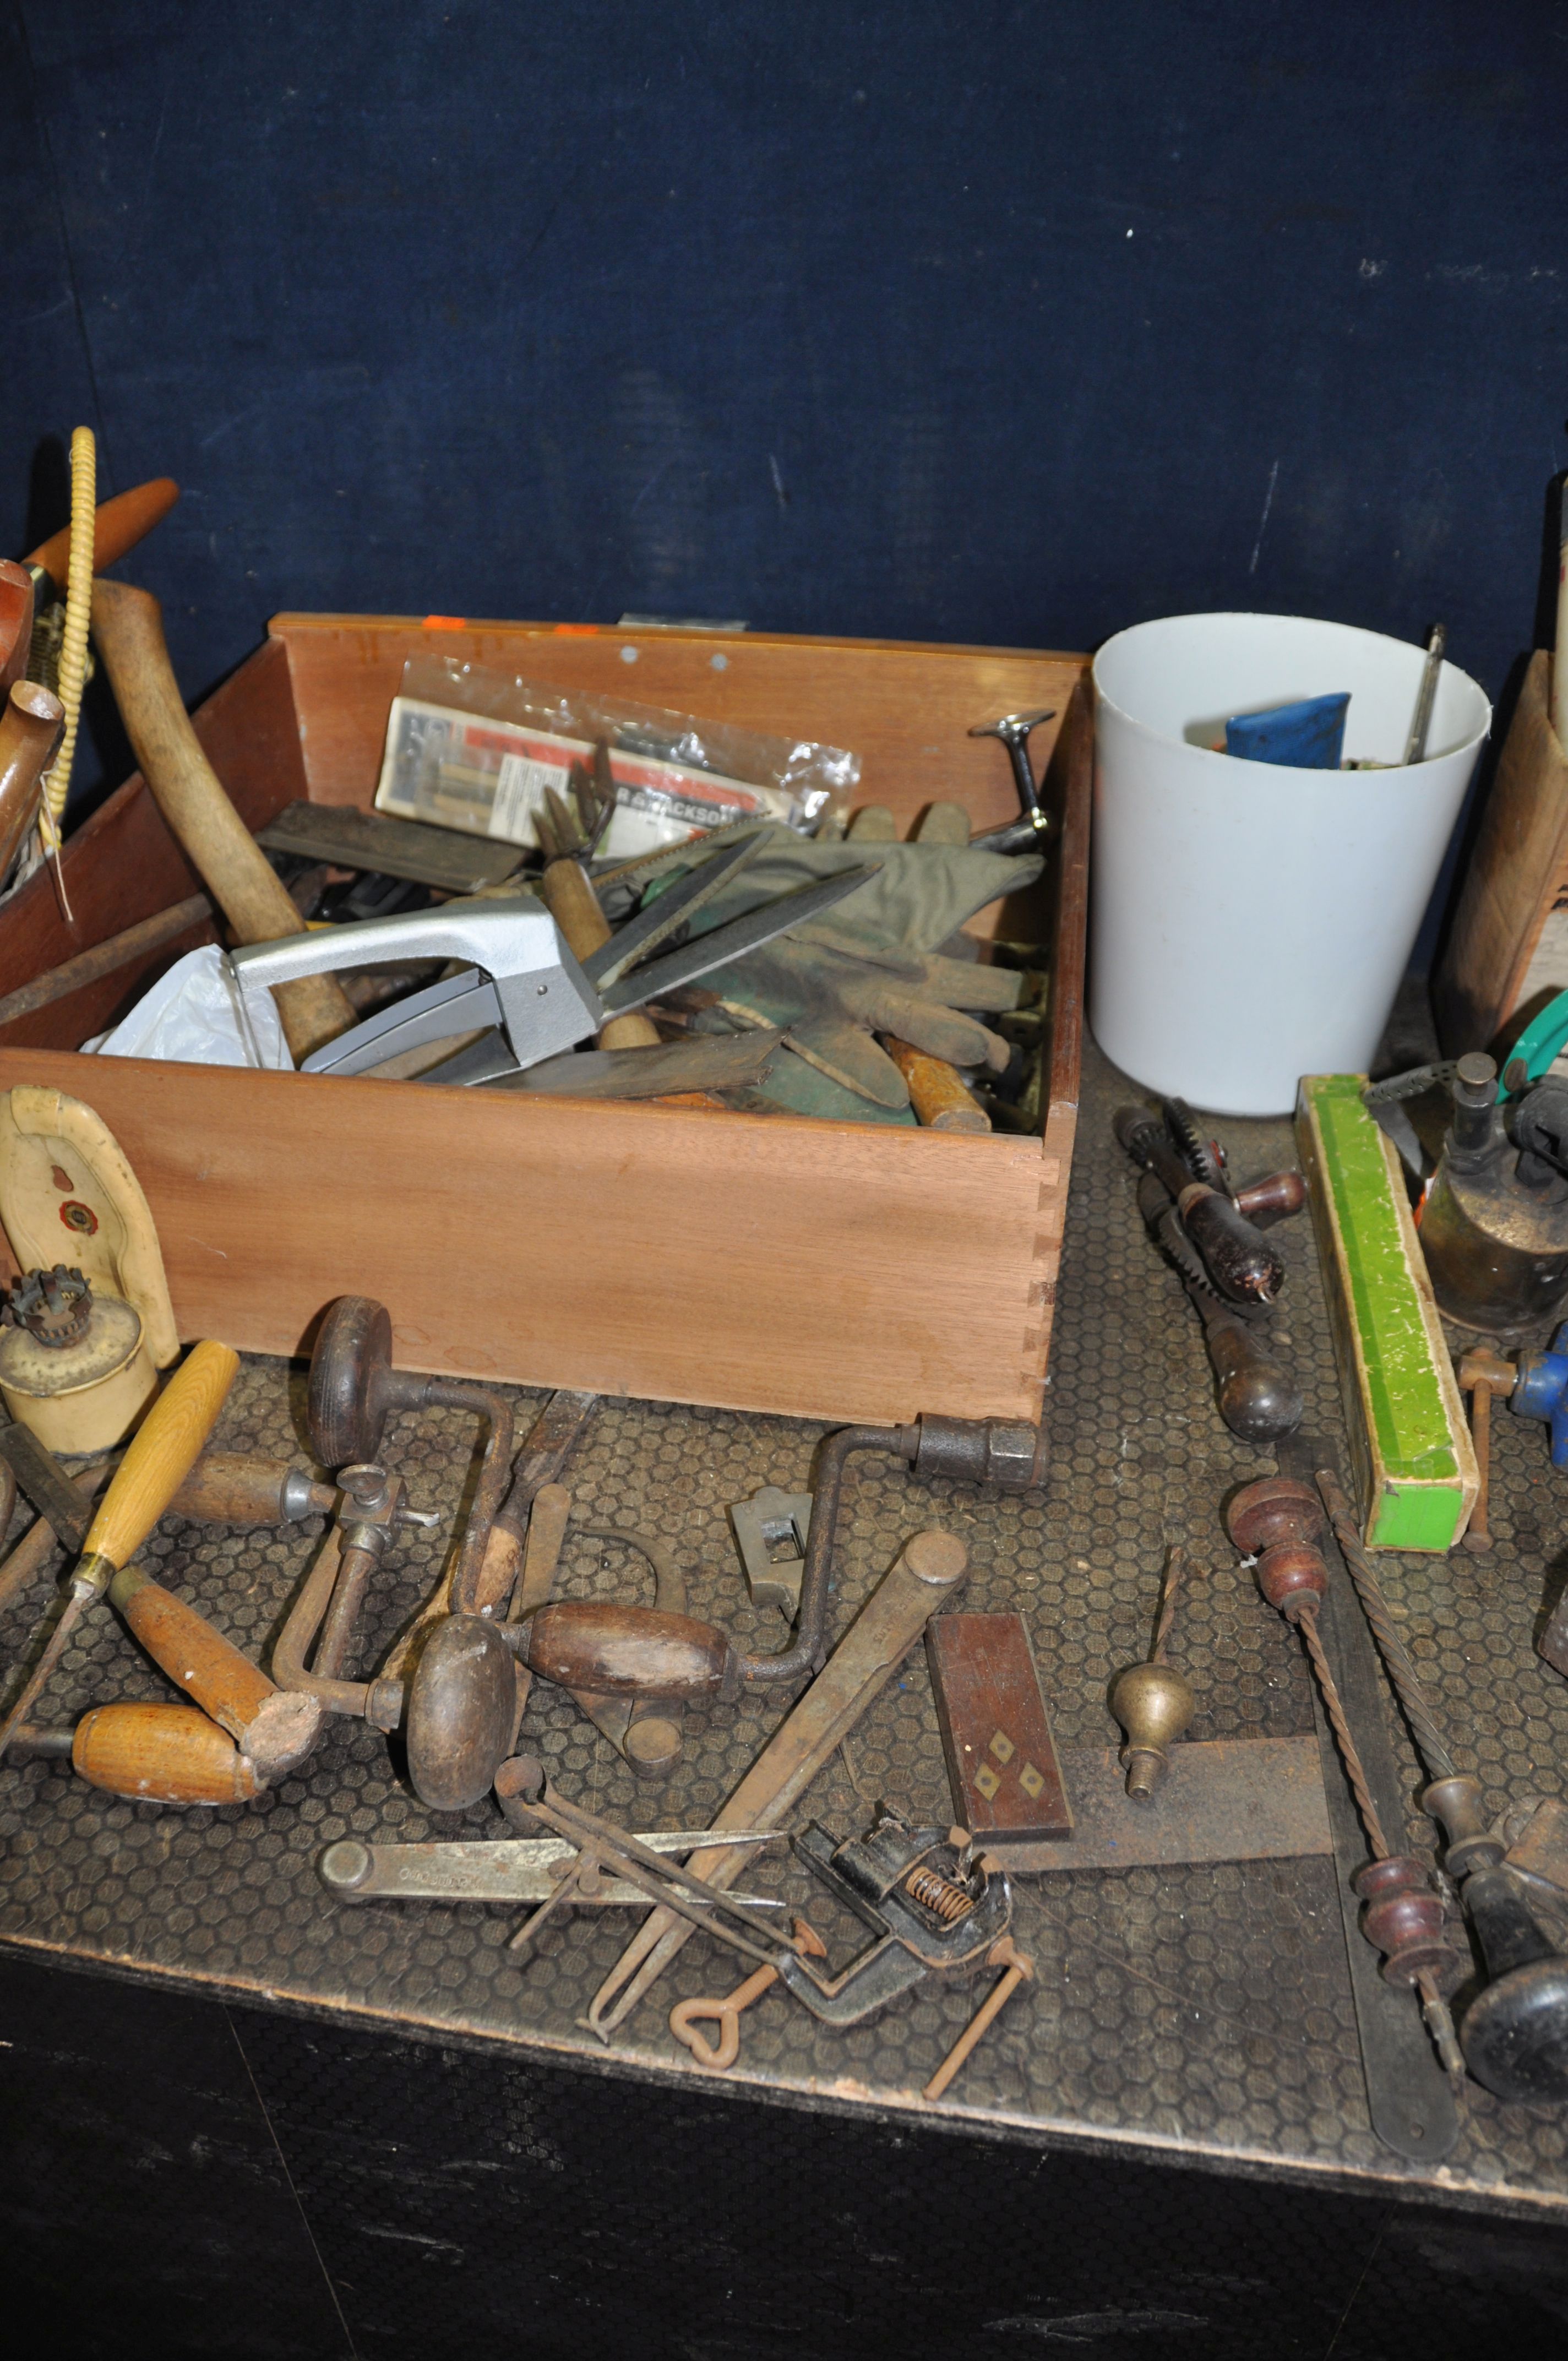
(544, 1001)
(503, 937)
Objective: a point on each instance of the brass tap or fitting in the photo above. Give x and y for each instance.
(1154, 1704)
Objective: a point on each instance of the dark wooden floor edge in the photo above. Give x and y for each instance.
(1409, 2188)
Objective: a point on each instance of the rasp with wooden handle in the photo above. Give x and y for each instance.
(127, 625)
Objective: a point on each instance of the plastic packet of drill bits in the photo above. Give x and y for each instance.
(476, 749)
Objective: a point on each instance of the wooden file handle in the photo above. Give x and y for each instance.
(30, 726)
(161, 1755)
(571, 901)
(937, 1090)
(129, 627)
(119, 524)
(222, 1680)
(162, 1453)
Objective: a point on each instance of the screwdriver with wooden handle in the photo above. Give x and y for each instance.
(127, 625)
(159, 1456)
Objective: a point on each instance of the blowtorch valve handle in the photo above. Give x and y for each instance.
(1540, 1390)
(407, 1516)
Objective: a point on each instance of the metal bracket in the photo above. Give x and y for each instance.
(771, 1530)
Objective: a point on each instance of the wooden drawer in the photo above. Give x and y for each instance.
(816, 1269)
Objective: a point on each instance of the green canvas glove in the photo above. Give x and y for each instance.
(872, 965)
(830, 1004)
(920, 894)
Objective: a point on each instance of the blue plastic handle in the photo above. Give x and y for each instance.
(1542, 1038)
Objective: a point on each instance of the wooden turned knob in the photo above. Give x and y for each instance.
(1293, 1578)
(1403, 1917)
(1276, 1508)
(1154, 1704)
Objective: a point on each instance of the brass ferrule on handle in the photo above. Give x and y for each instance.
(94, 1574)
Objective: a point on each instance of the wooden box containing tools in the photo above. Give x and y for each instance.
(755, 1262)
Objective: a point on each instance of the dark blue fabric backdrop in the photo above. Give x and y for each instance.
(992, 321)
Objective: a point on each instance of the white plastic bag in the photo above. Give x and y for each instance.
(197, 1016)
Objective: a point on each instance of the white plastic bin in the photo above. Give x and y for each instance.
(1250, 922)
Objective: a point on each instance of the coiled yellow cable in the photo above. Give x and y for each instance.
(78, 608)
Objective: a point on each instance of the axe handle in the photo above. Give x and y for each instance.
(129, 627)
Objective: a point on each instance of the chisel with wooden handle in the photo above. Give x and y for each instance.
(158, 1457)
(127, 625)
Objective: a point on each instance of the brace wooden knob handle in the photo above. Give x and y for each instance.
(274, 1728)
(161, 1755)
(118, 527)
(1241, 1262)
(1273, 1199)
(162, 1453)
(612, 1651)
(1258, 1400)
(571, 901)
(30, 726)
(198, 1658)
(129, 627)
(233, 1487)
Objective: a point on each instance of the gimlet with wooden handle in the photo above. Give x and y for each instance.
(159, 1456)
(129, 627)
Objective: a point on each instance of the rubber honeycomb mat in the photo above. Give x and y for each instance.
(1206, 2009)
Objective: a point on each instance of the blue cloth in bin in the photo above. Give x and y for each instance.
(1308, 735)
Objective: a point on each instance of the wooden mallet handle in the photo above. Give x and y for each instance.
(161, 1453)
(937, 1091)
(129, 627)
